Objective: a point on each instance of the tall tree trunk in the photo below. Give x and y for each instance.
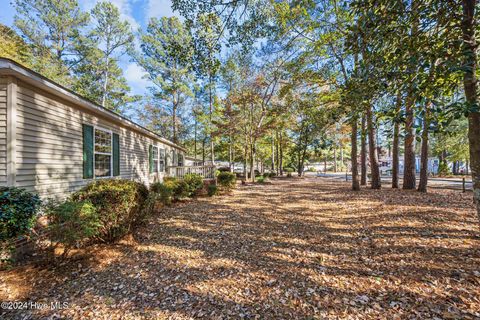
(363, 153)
(273, 153)
(105, 86)
(342, 164)
(395, 146)
(203, 150)
(374, 168)
(230, 154)
(335, 158)
(195, 140)
(245, 158)
(409, 165)
(355, 182)
(212, 146)
(422, 185)
(174, 123)
(469, 26)
(277, 153)
(280, 160)
(252, 161)
(409, 179)
(301, 157)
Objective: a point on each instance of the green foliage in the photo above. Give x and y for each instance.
(179, 187)
(212, 190)
(194, 182)
(51, 27)
(167, 55)
(14, 47)
(99, 76)
(119, 204)
(164, 191)
(72, 223)
(80, 50)
(227, 180)
(18, 210)
(443, 169)
(262, 179)
(181, 190)
(175, 189)
(148, 207)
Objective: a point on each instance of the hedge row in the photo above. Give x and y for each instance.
(104, 210)
(173, 189)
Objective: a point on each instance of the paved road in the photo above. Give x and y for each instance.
(440, 183)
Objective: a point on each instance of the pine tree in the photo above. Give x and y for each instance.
(166, 55)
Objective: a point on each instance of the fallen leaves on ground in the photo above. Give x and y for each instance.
(293, 249)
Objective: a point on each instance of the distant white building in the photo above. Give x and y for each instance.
(386, 164)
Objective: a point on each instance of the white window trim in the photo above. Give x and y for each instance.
(158, 158)
(104, 153)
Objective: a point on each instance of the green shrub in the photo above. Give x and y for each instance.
(18, 210)
(226, 180)
(272, 174)
(179, 187)
(261, 179)
(169, 179)
(148, 207)
(212, 190)
(164, 192)
(194, 183)
(119, 204)
(72, 223)
(181, 191)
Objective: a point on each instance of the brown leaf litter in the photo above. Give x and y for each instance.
(293, 249)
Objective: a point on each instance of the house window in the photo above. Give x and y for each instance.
(155, 158)
(103, 153)
(162, 160)
(180, 160)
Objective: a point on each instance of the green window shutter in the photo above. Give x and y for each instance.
(116, 155)
(87, 152)
(150, 158)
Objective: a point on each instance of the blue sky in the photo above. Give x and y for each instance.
(136, 12)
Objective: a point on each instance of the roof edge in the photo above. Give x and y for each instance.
(11, 67)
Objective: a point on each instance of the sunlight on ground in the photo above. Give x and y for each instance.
(292, 249)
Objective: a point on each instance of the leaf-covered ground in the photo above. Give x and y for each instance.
(293, 249)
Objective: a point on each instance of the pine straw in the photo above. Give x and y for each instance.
(299, 248)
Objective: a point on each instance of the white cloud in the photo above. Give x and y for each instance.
(135, 76)
(159, 8)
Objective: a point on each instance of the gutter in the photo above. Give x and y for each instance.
(10, 67)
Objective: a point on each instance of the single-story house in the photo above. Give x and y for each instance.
(53, 141)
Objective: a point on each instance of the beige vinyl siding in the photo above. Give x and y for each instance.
(3, 131)
(49, 145)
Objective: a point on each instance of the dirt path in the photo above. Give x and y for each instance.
(293, 249)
